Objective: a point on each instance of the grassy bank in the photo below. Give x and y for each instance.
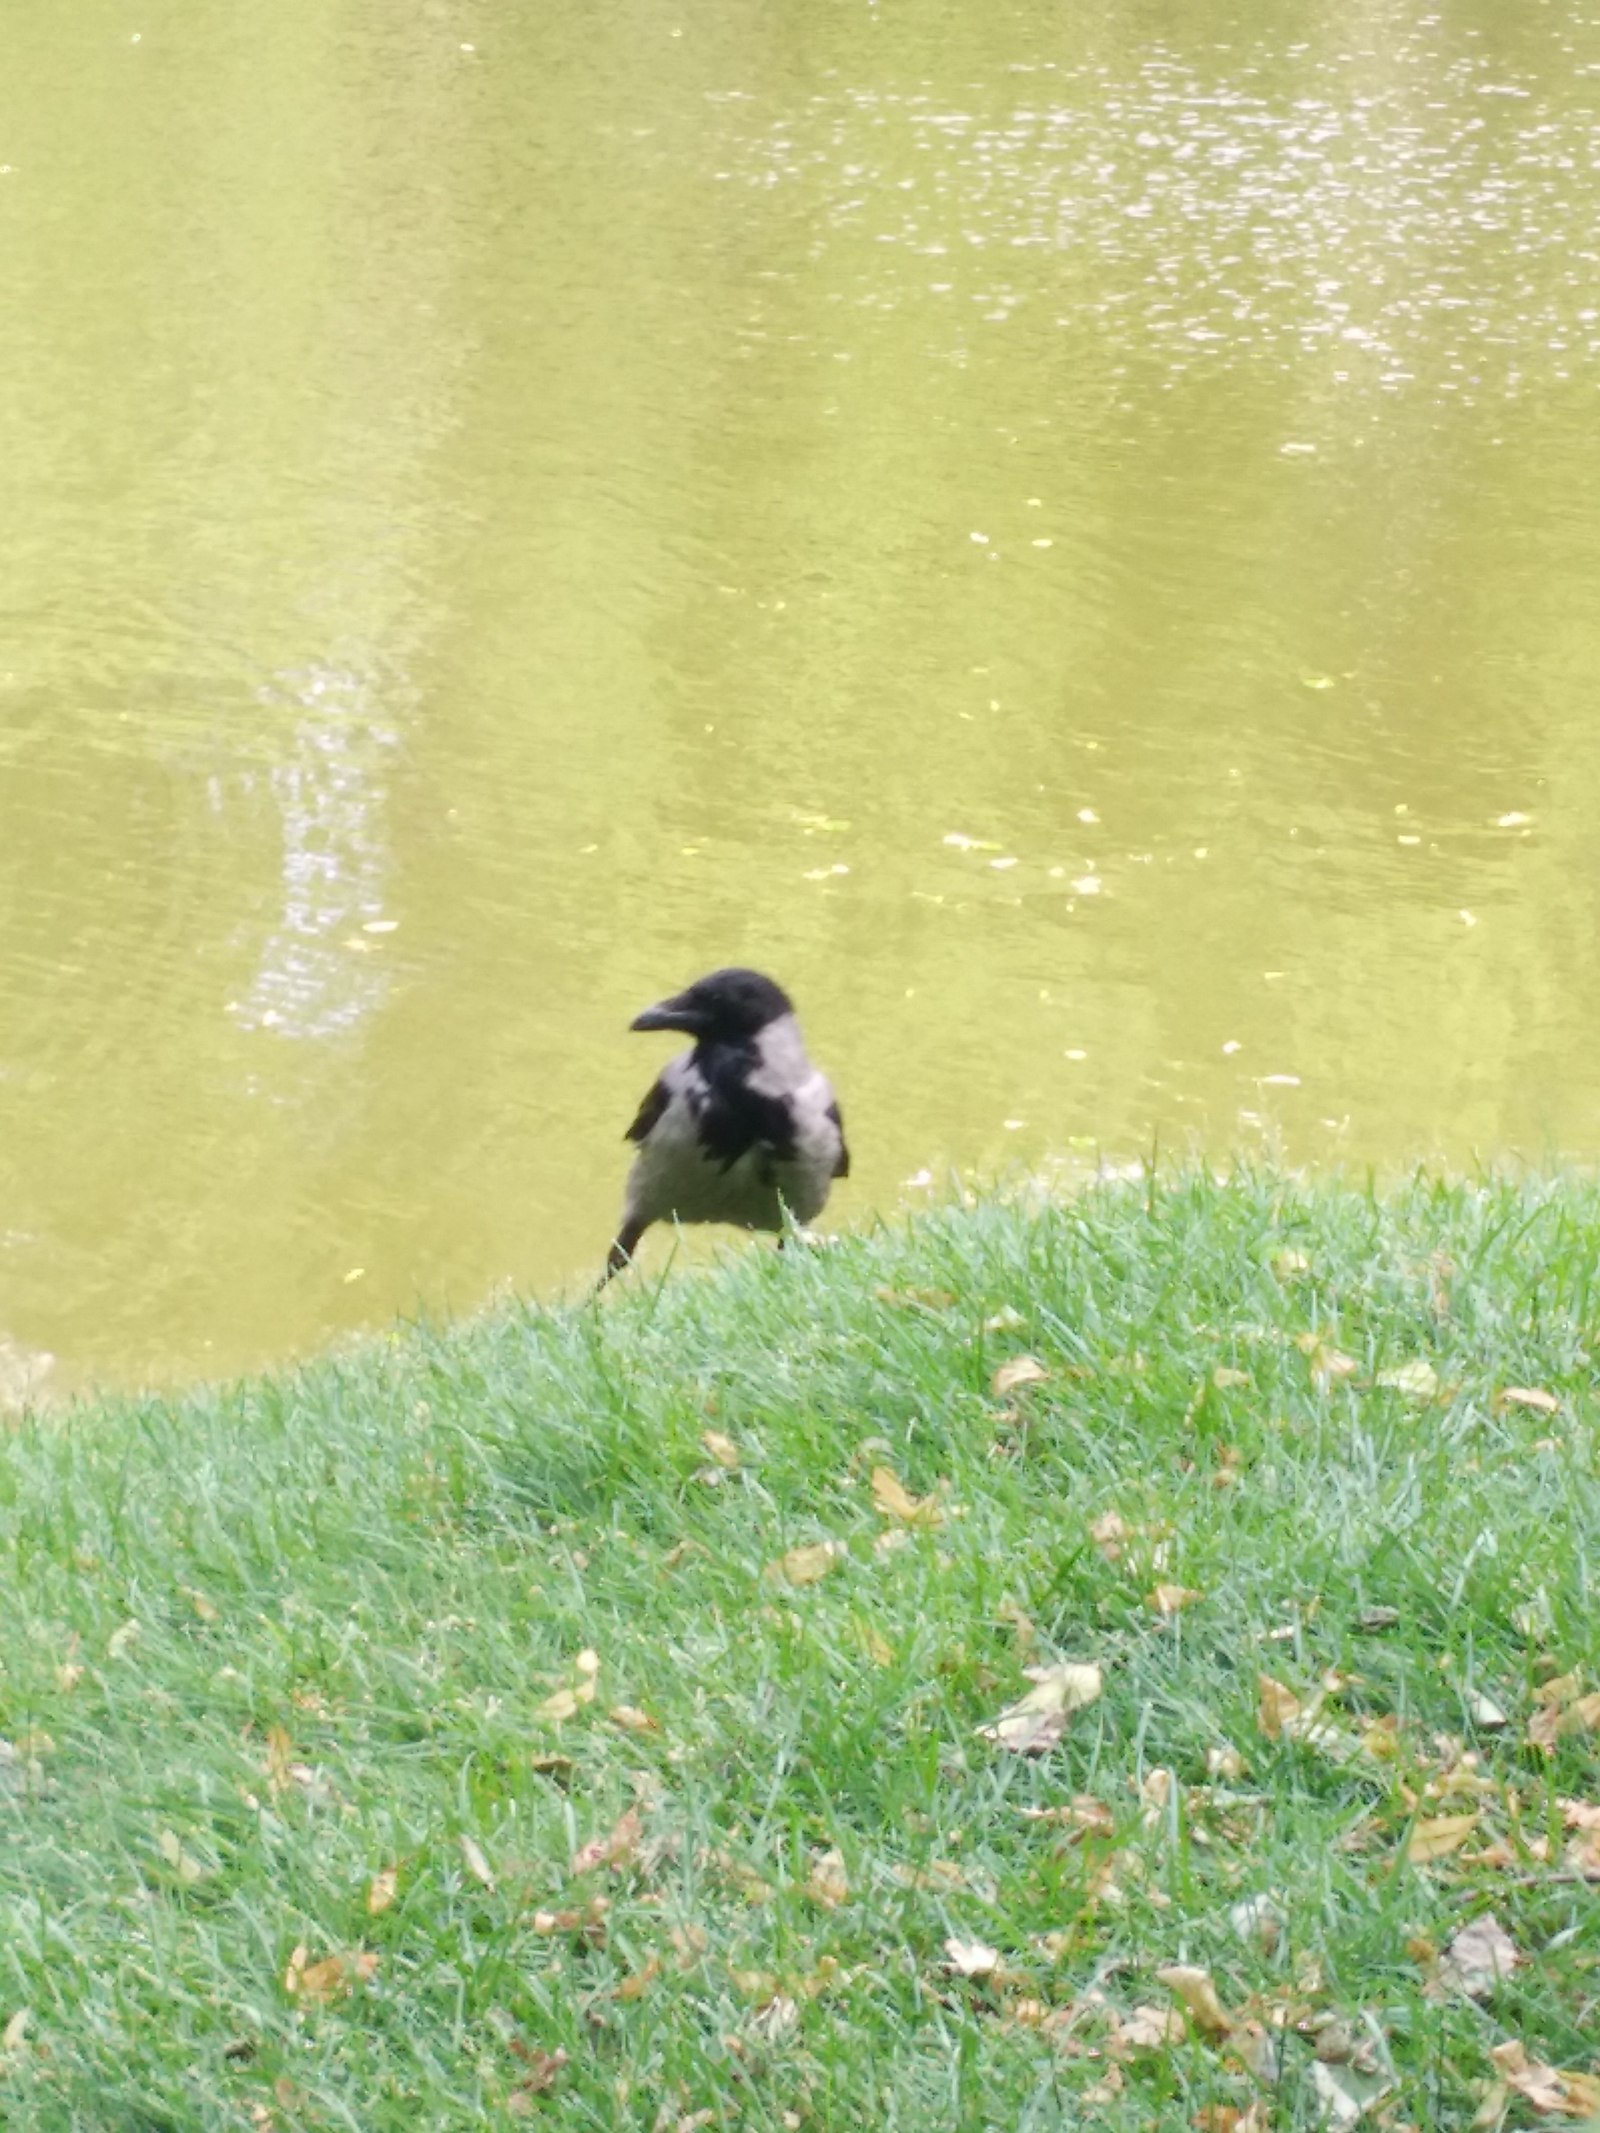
(579, 1717)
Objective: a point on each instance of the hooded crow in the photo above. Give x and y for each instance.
(742, 1129)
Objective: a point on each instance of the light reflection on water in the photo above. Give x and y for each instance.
(1073, 542)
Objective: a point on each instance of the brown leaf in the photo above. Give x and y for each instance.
(827, 1883)
(619, 1847)
(1170, 1600)
(916, 1299)
(562, 1704)
(1020, 1370)
(1198, 1994)
(589, 1919)
(1038, 1720)
(805, 1566)
(543, 2068)
(1084, 1814)
(631, 1719)
(16, 2030)
(1552, 2094)
(1436, 1836)
(382, 1890)
(639, 1982)
(1479, 1957)
(1109, 1532)
(722, 1449)
(1148, 2029)
(891, 1499)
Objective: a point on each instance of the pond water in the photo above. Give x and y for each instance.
(1070, 535)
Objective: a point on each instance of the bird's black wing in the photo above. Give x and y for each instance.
(736, 1117)
(649, 1113)
(841, 1168)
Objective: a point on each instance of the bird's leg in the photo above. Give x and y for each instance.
(623, 1247)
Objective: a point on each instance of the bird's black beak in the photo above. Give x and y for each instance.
(676, 1013)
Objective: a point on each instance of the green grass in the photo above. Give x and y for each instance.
(259, 1646)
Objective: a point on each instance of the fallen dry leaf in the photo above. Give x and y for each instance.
(382, 1890)
(589, 1919)
(1225, 1761)
(805, 1566)
(1436, 1836)
(618, 1847)
(1084, 1814)
(1110, 1532)
(1020, 1370)
(1326, 1363)
(1416, 1381)
(543, 2068)
(16, 2029)
(1037, 1721)
(1148, 2029)
(329, 1979)
(722, 1449)
(1288, 1263)
(638, 1983)
(1553, 2094)
(563, 1703)
(1534, 1396)
(827, 1883)
(1276, 1705)
(891, 1499)
(184, 1864)
(916, 1299)
(1198, 1994)
(971, 1958)
(1172, 1599)
(1478, 1958)
(631, 1719)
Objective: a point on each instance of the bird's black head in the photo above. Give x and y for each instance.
(729, 1006)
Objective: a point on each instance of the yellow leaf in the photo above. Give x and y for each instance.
(1172, 1599)
(1287, 1264)
(971, 1958)
(1198, 1994)
(722, 1449)
(382, 1890)
(15, 2030)
(203, 1607)
(1326, 1363)
(1436, 1836)
(1224, 1377)
(619, 1847)
(1037, 1721)
(827, 1882)
(329, 1979)
(477, 1865)
(891, 1499)
(563, 1704)
(875, 1644)
(187, 1868)
(1417, 1381)
(1276, 1705)
(805, 1566)
(1021, 1370)
(1542, 1402)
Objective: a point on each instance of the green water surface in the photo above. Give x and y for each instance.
(1070, 534)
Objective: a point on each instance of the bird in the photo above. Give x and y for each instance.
(742, 1128)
